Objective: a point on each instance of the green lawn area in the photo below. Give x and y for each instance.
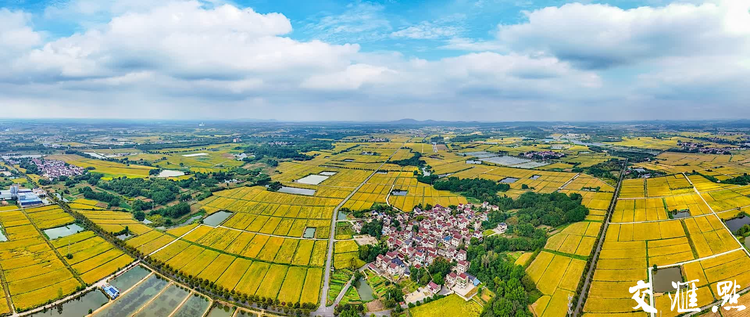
(448, 306)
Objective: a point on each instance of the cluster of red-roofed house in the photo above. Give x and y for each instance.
(53, 168)
(442, 232)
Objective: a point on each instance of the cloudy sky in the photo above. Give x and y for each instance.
(486, 60)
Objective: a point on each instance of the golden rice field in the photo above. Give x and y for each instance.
(420, 193)
(115, 221)
(93, 257)
(109, 169)
(241, 261)
(376, 190)
(667, 186)
(584, 181)
(632, 188)
(556, 276)
(719, 166)
(448, 306)
(34, 273)
(642, 235)
(49, 216)
(576, 239)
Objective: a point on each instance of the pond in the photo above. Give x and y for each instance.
(224, 311)
(737, 223)
(473, 162)
(535, 177)
(341, 215)
(78, 307)
(312, 179)
(196, 305)
(309, 233)
(364, 290)
(165, 303)
(3, 238)
(508, 180)
(63, 231)
(129, 278)
(681, 214)
(129, 303)
(216, 218)
(195, 154)
(188, 221)
(747, 242)
(398, 192)
(297, 191)
(124, 236)
(663, 279)
(328, 173)
(170, 173)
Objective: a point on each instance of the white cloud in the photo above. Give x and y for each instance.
(16, 32)
(600, 36)
(185, 40)
(185, 59)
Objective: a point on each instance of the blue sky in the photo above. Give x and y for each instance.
(488, 60)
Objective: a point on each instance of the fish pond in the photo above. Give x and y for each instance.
(78, 307)
(134, 299)
(663, 279)
(63, 231)
(216, 218)
(297, 191)
(196, 305)
(737, 223)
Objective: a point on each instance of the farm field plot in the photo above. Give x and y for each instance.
(243, 261)
(257, 200)
(448, 306)
(576, 239)
(419, 193)
(718, 166)
(49, 216)
(620, 266)
(346, 255)
(115, 221)
(109, 169)
(633, 188)
(536, 180)
(635, 210)
(709, 272)
(556, 276)
(668, 186)
(93, 258)
(33, 271)
(375, 190)
(723, 200)
(597, 202)
(584, 182)
(85, 204)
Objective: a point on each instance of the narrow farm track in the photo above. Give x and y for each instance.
(590, 273)
(322, 309)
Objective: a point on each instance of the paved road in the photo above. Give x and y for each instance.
(322, 309)
(590, 274)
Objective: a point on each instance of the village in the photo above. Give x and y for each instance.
(417, 239)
